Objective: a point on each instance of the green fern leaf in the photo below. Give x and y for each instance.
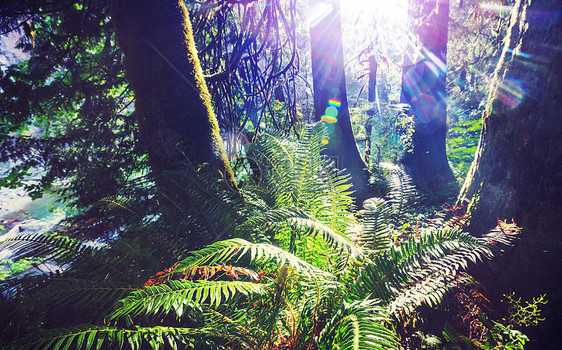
(177, 296)
(101, 337)
(358, 326)
(423, 268)
(235, 249)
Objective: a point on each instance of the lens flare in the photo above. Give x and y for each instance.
(334, 103)
(329, 119)
(331, 113)
(511, 93)
(439, 67)
(495, 7)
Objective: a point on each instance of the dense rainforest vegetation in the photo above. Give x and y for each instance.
(281, 174)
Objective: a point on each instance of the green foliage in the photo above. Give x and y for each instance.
(294, 276)
(402, 195)
(428, 341)
(453, 340)
(505, 338)
(66, 108)
(461, 146)
(304, 191)
(11, 268)
(376, 235)
(389, 130)
(422, 269)
(357, 325)
(177, 296)
(524, 314)
(100, 337)
(498, 336)
(55, 248)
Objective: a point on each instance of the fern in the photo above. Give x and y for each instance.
(235, 249)
(421, 269)
(101, 337)
(358, 325)
(177, 296)
(60, 249)
(95, 297)
(309, 195)
(337, 201)
(325, 292)
(402, 195)
(376, 235)
(211, 202)
(300, 221)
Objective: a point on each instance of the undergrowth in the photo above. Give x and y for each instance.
(292, 265)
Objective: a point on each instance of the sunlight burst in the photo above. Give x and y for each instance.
(383, 8)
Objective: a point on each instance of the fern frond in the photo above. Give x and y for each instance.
(303, 222)
(336, 200)
(298, 175)
(430, 291)
(420, 264)
(503, 233)
(99, 337)
(403, 194)
(307, 165)
(77, 294)
(206, 198)
(235, 249)
(376, 234)
(358, 325)
(275, 154)
(63, 250)
(442, 274)
(178, 296)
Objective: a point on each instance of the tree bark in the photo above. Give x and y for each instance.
(423, 88)
(328, 75)
(517, 171)
(372, 95)
(172, 104)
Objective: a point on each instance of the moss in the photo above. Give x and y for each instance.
(173, 104)
(472, 208)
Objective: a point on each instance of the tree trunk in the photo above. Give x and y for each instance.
(328, 75)
(372, 96)
(423, 88)
(517, 171)
(172, 104)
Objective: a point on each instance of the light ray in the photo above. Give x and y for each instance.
(318, 12)
(495, 7)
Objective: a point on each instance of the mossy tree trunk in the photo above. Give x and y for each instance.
(172, 104)
(328, 75)
(517, 171)
(423, 88)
